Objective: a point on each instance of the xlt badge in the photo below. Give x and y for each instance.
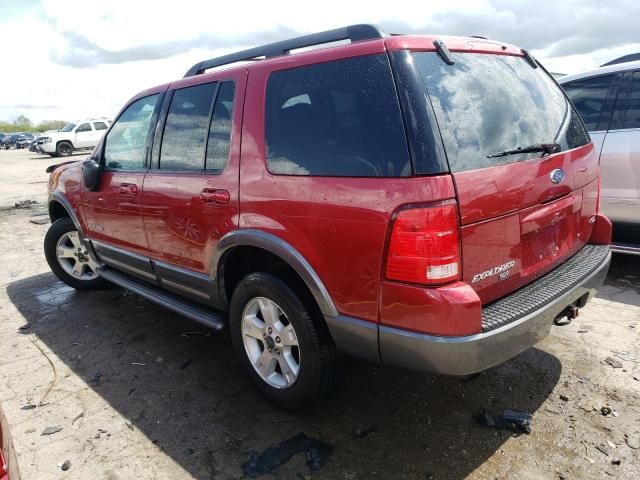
(503, 270)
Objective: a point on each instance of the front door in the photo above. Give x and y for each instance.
(190, 196)
(113, 211)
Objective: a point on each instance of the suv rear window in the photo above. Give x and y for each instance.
(339, 118)
(488, 103)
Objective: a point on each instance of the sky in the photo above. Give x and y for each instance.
(69, 59)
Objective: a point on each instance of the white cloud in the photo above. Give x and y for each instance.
(124, 46)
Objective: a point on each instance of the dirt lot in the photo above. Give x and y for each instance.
(136, 396)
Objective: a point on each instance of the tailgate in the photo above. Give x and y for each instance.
(512, 235)
(524, 168)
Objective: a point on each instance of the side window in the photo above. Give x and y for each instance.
(125, 144)
(220, 130)
(99, 125)
(185, 131)
(589, 96)
(338, 118)
(632, 113)
(85, 127)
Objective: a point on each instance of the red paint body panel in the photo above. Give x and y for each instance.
(602, 230)
(5, 444)
(494, 191)
(182, 228)
(112, 213)
(424, 43)
(70, 185)
(448, 310)
(513, 212)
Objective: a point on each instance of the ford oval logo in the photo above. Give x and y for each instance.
(557, 175)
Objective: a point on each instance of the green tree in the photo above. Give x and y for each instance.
(23, 121)
(50, 125)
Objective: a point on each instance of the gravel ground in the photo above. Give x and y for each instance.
(23, 176)
(137, 396)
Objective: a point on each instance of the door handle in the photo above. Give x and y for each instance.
(128, 189)
(214, 195)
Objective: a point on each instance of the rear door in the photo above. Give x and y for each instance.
(596, 99)
(620, 161)
(190, 197)
(522, 214)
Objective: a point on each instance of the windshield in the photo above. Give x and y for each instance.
(68, 127)
(489, 103)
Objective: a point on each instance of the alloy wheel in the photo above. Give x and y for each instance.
(271, 343)
(74, 257)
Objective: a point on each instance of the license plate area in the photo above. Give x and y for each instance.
(549, 234)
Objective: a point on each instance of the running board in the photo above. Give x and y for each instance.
(199, 313)
(625, 248)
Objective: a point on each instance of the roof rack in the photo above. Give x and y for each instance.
(354, 33)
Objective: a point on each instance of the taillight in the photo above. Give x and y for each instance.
(424, 246)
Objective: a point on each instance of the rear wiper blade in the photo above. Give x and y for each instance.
(547, 148)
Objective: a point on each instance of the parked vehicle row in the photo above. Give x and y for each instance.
(426, 202)
(608, 99)
(16, 140)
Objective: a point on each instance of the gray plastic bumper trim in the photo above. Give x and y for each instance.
(474, 353)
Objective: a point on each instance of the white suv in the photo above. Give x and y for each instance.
(81, 135)
(608, 99)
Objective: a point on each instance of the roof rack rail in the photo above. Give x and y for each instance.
(354, 33)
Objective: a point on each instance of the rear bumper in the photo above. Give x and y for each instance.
(474, 353)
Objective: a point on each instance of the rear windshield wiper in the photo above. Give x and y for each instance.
(547, 148)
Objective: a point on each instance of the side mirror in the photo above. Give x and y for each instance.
(91, 173)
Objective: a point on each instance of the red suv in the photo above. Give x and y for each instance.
(418, 201)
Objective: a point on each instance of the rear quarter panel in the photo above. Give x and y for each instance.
(339, 224)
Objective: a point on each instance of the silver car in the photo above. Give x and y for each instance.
(608, 99)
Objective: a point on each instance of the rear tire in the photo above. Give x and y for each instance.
(64, 149)
(69, 259)
(282, 342)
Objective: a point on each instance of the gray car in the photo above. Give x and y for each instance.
(608, 99)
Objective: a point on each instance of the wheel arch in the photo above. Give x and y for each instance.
(60, 207)
(256, 241)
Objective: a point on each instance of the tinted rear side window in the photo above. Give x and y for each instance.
(220, 130)
(589, 97)
(338, 118)
(185, 131)
(488, 103)
(99, 125)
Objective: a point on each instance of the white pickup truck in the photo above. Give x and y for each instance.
(82, 135)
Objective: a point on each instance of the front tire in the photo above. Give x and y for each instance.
(69, 259)
(282, 342)
(64, 149)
